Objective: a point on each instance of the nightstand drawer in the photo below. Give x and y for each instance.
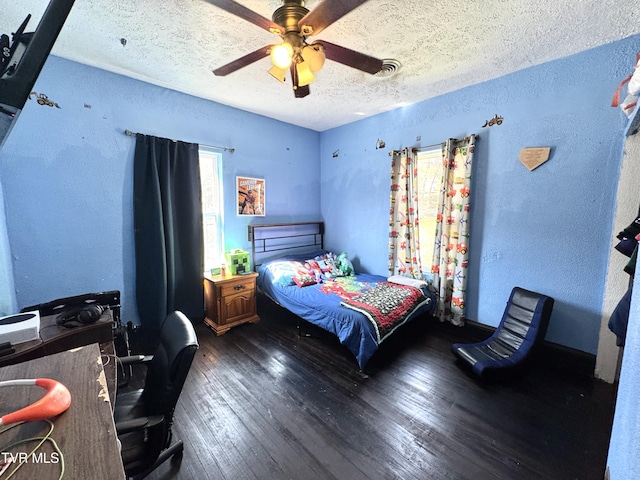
(241, 285)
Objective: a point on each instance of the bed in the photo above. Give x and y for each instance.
(362, 310)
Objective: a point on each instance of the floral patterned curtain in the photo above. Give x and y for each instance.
(404, 249)
(451, 249)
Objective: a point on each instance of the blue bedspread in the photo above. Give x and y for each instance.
(314, 304)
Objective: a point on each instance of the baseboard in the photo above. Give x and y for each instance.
(550, 354)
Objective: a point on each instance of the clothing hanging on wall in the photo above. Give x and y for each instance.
(620, 317)
(628, 246)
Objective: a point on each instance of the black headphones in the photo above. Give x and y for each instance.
(79, 316)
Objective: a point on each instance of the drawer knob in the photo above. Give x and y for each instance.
(239, 287)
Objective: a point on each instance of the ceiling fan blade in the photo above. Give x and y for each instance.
(351, 58)
(328, 12)
(247, 14)
(242, 61)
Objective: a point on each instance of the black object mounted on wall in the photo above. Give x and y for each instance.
(23, 58)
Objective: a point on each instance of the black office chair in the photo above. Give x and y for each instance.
(523, 326)
(144, 417)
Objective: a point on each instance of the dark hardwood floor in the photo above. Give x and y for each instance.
(263, 403)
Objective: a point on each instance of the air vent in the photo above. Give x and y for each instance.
(389, 68)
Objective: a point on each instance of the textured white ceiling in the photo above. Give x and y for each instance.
(443, 45)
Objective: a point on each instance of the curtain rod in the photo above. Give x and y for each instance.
(418, 149)
(129, 133)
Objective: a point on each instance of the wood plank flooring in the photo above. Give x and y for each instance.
(262, 403)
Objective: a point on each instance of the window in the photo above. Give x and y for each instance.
(212, 207)
(429, 178)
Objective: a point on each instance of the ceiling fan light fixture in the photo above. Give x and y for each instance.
(282, 55)
(299, 91)
(293, 23)
(278, 73)
(314, 56)
(305, 77)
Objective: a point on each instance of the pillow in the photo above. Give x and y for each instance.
(304, 279)
(284, 271)
(314, 270)
(324, 266)
(331, 261)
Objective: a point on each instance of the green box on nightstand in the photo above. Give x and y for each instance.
(237, 261)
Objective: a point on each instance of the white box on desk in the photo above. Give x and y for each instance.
(20, 327)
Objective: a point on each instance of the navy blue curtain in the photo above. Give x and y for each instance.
(167, 230)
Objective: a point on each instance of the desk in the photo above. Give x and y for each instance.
(85, 433)
(55, 338)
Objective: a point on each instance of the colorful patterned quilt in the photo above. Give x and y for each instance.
(347, 287)
(321, 305)
(386, 305)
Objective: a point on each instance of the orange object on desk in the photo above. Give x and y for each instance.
(56, 400)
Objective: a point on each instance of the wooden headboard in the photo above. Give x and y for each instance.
(284, 237)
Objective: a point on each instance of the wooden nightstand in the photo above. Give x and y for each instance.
(230, 301)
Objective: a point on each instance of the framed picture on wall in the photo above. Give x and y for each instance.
(251, 196)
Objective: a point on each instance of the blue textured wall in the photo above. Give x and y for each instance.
(624, 449)
(67, 176)
(548, 230)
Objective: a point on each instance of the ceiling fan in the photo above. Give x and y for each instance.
(294, 23)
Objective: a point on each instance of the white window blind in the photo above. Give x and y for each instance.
(212, 207)
(429, 178)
